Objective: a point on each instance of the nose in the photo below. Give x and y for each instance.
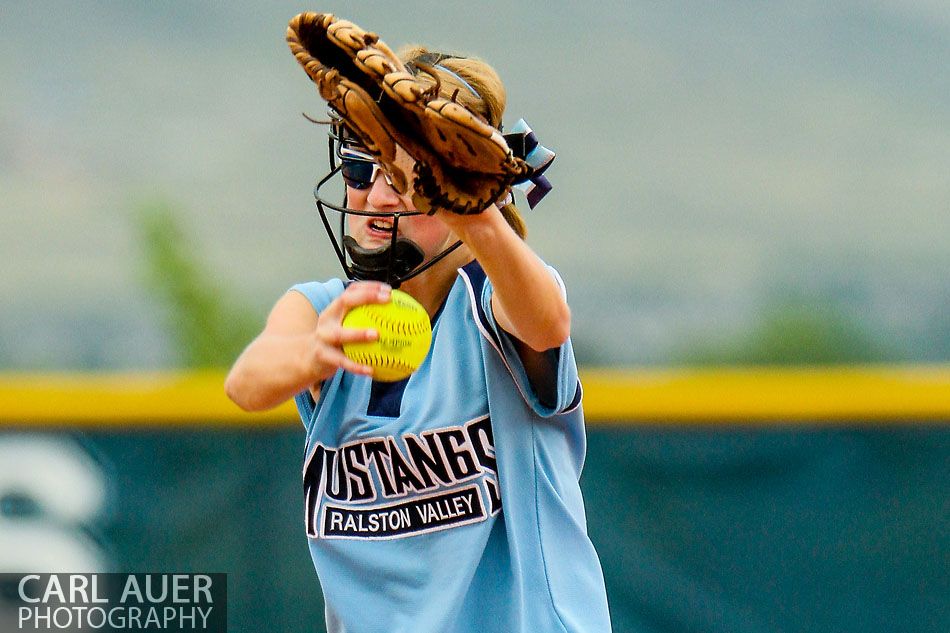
(381, 194)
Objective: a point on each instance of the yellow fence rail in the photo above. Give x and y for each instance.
(799, 395)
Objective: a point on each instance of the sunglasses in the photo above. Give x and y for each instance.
(359, 169)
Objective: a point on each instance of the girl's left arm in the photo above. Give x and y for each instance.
(527, 301)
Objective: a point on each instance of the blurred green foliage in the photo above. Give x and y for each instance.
(793, 331)
(208, 324)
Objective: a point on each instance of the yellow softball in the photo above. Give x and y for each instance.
(404, 336)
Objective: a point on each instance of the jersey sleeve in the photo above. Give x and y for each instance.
(559, 388)
(319, 294)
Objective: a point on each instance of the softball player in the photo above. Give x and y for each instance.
(448, 501)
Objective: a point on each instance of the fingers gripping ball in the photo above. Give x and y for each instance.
(404, 336)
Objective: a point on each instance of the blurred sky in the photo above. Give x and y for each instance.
(711, 157)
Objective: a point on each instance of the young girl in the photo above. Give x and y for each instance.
(448, 501)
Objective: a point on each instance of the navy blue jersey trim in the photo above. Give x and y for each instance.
(385, 398)
(578, 392)
(476, 276)
(308, 403)
(544, 379)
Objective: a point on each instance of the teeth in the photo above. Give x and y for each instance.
(381, 225)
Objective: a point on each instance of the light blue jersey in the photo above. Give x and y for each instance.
(449, 502)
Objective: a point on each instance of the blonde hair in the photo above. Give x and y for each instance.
(472, 83)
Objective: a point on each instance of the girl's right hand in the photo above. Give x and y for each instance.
(329, 335)
(299, 349)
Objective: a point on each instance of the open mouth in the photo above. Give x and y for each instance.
(381, 225)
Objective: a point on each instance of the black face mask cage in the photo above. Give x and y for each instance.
(395, 263)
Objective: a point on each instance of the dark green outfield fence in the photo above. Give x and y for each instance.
(843, 529)
(778, 525)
